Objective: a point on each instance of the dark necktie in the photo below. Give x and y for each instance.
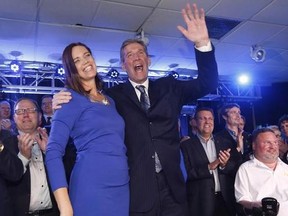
(144, 99)
(48, 122)
(145, 104)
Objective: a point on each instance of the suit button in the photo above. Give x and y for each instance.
(153, 156)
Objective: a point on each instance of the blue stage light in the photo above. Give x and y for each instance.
(60, 70)
(113, 73)
(243, 79)
(15, 66)
(175, 74)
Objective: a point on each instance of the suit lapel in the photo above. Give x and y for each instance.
(154, 93)
(130, 93)
(200, 150)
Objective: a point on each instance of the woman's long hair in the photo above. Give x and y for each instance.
(73, 80)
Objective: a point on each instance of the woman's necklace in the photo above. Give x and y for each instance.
(100, 98)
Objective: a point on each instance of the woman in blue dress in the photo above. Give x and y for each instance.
(99, 183)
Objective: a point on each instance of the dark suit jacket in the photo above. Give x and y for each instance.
(200, 182)
(158, 130)
(21, 191)
(225, 137)
(44, 124)
(11, 169)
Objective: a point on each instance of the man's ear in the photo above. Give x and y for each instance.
(224, 117)
(40, 118)
(123, 66)
(253, 146)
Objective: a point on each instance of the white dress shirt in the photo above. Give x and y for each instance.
(255, 181)
(40, 196)
(210, 150)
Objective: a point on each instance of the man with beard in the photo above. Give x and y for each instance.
(263, 176)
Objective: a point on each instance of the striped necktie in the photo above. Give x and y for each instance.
(144, 99)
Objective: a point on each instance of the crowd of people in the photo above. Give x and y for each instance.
(117, 151)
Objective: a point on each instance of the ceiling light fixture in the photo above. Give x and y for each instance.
(141, 36)
(257, 53)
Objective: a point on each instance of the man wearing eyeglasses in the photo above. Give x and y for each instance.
(31, 195)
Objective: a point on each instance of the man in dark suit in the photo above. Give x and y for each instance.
(157, 185)
(233, 135)
(11, 169)
(31, 195)
(210, 188)
(47, 112)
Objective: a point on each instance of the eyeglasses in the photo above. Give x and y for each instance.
(27, 110)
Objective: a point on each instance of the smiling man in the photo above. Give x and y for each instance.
(31, 194)
(208, 170)
(263, 176)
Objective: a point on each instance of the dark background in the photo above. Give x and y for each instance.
(262, 112)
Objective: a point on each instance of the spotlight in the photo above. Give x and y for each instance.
(113, 73)
(15, 66)
(257, 53)
(60, 70)
(243, 79)
(175, 74)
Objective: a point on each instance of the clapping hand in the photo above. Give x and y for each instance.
(224, 157)
(42, 138)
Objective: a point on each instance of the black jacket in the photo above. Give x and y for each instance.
(158, 130)
(11, 169)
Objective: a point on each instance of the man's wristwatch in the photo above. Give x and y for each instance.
(1, 147)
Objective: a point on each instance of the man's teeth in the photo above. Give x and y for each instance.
(138, 67)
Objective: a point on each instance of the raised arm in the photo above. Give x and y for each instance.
(196, 30)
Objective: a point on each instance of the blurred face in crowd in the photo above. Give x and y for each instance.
(233, 117)
(241, 124)
(193, 125)
(277, 132)
(136, 62)
(284, 128)
(205, 123)
(281, 143)
(27, 117)
(266, 148)
(5, 110)
(46, 105)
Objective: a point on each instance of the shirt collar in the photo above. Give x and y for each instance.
(261, 164)
(231, 132)
(203, 140)
(146, 84)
